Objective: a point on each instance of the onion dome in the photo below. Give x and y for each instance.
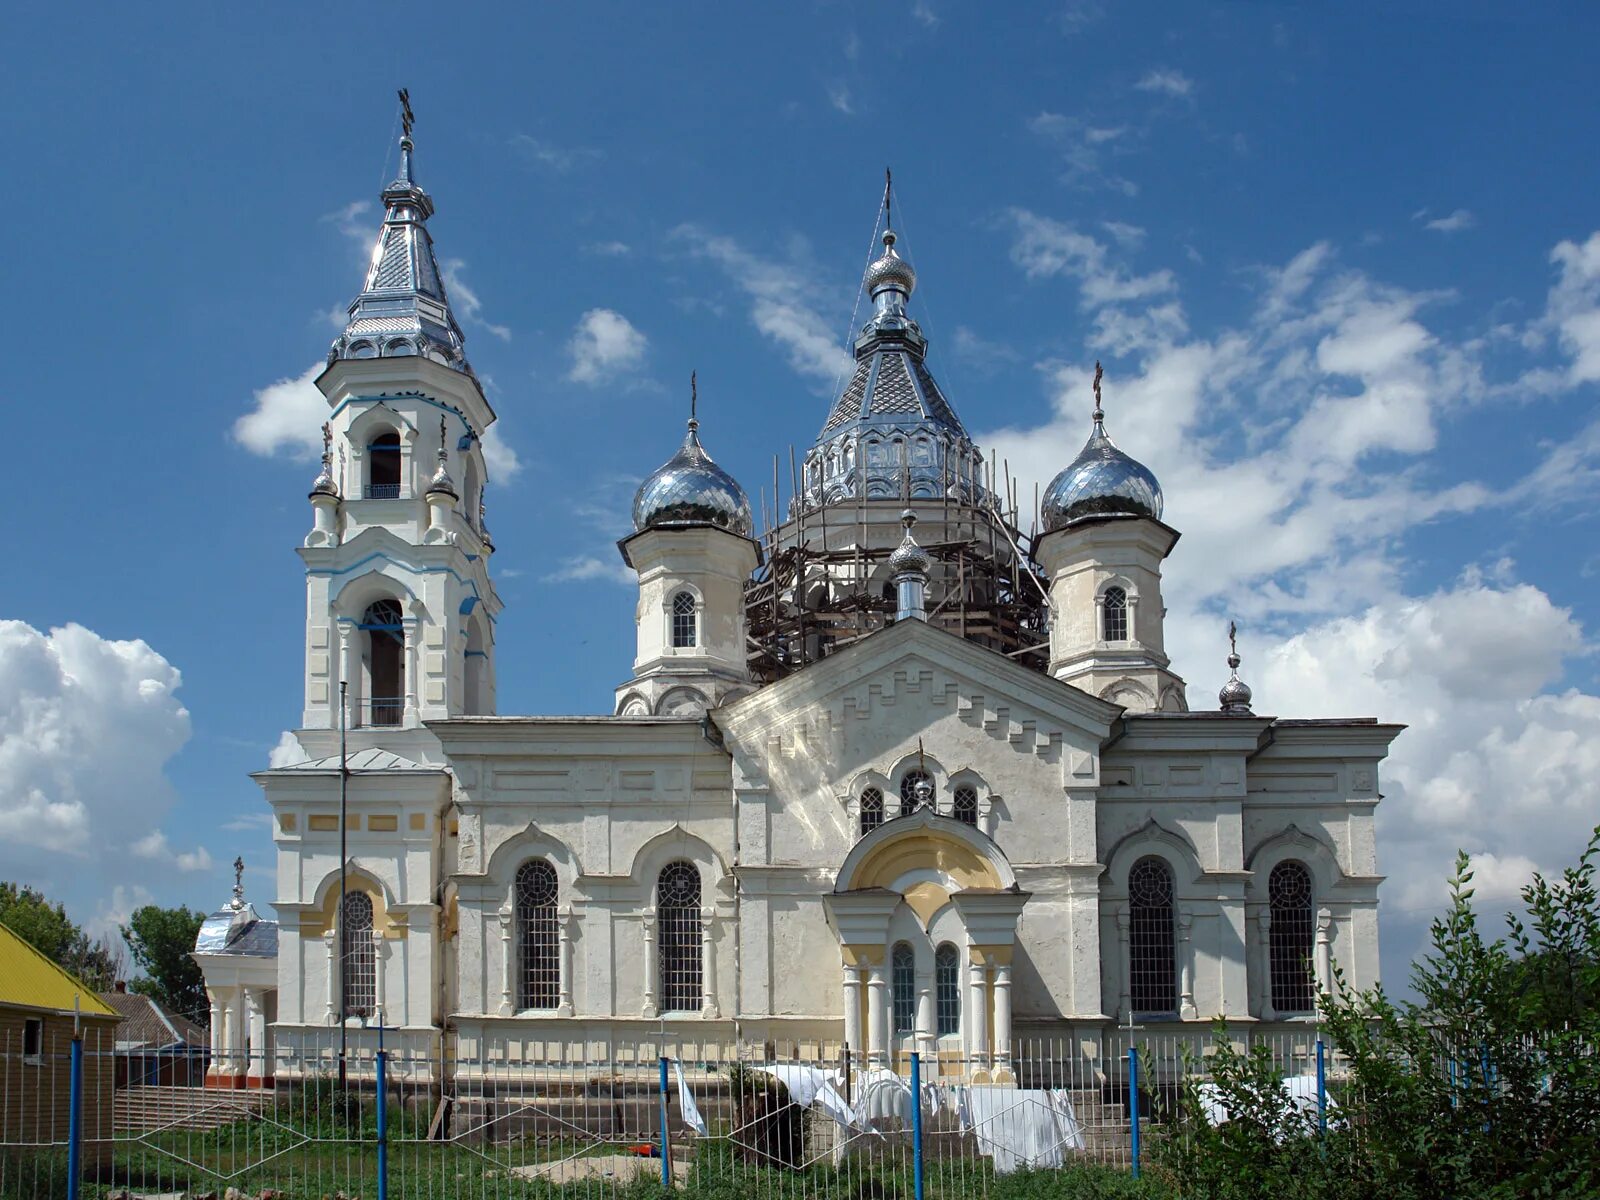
(908, 557)
(890, 270)
(1101, 482)
(323, 485)
(441, 483)
(690, 489)
(1235, 694)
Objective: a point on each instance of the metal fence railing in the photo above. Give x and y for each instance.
(507, 1121)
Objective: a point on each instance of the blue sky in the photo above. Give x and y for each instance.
(1342, 265)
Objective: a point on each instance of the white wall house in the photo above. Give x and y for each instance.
(874, 781)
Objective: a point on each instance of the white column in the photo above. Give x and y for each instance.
(411, 661)
(1324, 960)
(231, 1034)
(506, 963)
(877, 1016)
(708, 964)
(348, 674)
(217, 1046)
(924, 1033)
(255, 1006)
(1002, 1014)
(1264, 957)
(978, 1013)
(1124, 969)
(649, 923)
(380, 968)
(564, 1001)
(1186, 1008)
(331, 942)
(852, 1010)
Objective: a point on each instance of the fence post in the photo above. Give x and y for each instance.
(1322, 1090)
(75, 1117)
(916, 1124)
(383, 1116)
(666, 1148)
(1133, 1107)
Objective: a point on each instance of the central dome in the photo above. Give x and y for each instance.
(1101, 482)
(690, 489)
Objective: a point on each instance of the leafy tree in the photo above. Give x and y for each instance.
(47, 928)
(1485, 1088)
(161, 940)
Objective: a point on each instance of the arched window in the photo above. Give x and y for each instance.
(538, 936)
(383, 466)
(678, 933)
(359, 977)
(908, 790)
(964, 807)
(947, 990)
(903, 981)
(1115, 604)
(871, 810)
(385, 655)
(1293, 934)
(1152, 959)
(683, 620)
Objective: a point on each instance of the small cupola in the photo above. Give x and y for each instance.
(1101, 482)
(690, 489)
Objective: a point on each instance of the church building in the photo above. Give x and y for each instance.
(893, 773)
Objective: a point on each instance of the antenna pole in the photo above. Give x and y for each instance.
(344, 824)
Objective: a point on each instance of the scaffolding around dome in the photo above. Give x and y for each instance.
(825, 578)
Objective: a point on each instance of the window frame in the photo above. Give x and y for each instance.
(947, 1007)
(683, 977)
(1123, 609)
(1291, 943)
(536, 927)
(1153, 937)
(33, 1026)
(359, 954)
(872, 796)
(902, 1003)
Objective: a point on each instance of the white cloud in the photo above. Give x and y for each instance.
(1573, 307)
(1085, 150)
(839, 98)
(498, 454)
(354, 221)
(87, 726)
(287, 418)
(288, 752)
(1165, 81)
(587, 567)
(1454, 223)
(116, 910)
(553, 158)
(611, 249)
(155, 847)
(604, 345)
(1044, 247)
(923, 11)
(786, 304)
(464, 300)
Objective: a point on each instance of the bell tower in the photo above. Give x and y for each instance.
(399, 603)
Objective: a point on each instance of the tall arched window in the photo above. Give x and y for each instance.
(383, 466)
(538, 936)
(683, 620)
(903, 984)
(1115, 608)
(678, 934)
(358, 978)
(871, 810)
(1293, 936)
(908, 790)
(1152, 958)
(385, 655)
(964, 806)
(947, 990)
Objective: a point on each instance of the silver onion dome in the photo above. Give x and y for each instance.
(1235, 694)
(1101, 482)
(690, 489)
(908, 557)
(890, 270)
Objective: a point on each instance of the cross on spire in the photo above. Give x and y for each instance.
(1099, 374)
(888, 198)
(694, 400)
(407, 117)
(238, 882)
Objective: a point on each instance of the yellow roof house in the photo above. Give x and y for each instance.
(30, 980)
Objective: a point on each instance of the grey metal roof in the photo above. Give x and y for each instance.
(370, 759)
(145, 1024)
(238, 929)
(402, 309)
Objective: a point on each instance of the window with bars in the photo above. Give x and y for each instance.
(383, 625)
(871, 810)
(678, 936)
(1152, 942)
(964, 806)
(538, 936)
(1115, 619)
(947, 990)
(358, 977)
(683, 620)
(1293, 936)
(903, 984)
(908, 790)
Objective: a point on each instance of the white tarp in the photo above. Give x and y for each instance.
(1020, 1127)
(686, 1105)
(1301, 1089)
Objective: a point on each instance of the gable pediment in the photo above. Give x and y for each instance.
(912, 665)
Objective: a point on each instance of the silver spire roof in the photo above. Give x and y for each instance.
(891, 434)
(402, 309)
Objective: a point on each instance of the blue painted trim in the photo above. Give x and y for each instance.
(464, 580)
(477, 654)
(467, 605)
(471, 434)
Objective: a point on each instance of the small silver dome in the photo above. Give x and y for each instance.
(1235, 694)
(890, 271)
(690, 489)
(909, 557)
(1102, 481)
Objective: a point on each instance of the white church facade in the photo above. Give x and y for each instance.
(893, 774)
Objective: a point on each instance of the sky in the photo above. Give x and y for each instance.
(1341, 263)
